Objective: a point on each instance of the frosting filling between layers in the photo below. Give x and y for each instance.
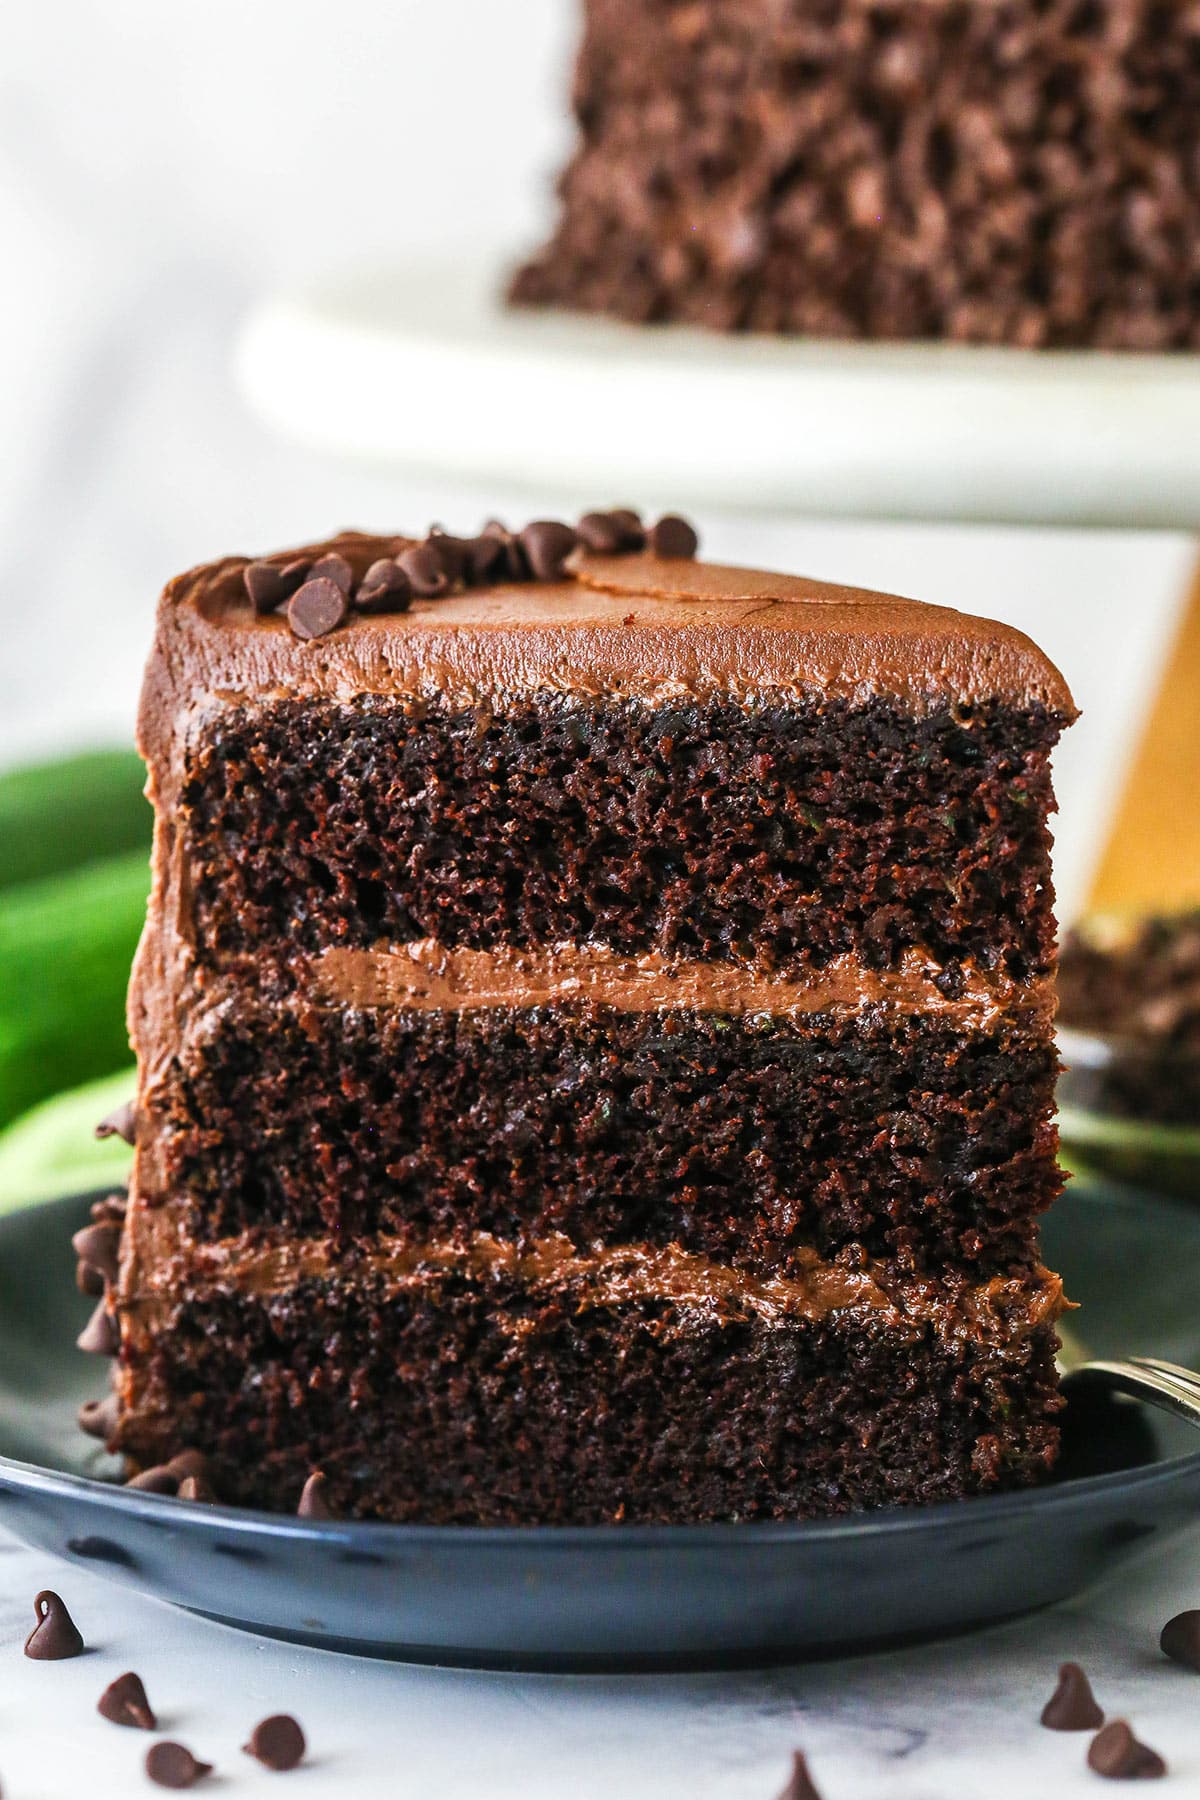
(426, 975)
(1003, 1309)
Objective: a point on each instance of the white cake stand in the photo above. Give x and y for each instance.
(425, 368)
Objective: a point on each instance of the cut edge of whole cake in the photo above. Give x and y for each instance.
(594, 1025)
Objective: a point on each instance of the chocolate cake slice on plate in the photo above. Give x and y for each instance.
(594, 1027)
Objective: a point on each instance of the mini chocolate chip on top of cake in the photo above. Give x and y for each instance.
(594, 1027)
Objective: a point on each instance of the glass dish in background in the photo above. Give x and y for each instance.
(1129, 1038)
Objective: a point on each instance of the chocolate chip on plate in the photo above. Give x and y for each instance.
(99, 1417)
(1072, 1706)
(674, 538)
(173, 1766)
(801, 1785)
(55, 1637)
(1180, 1639)
(122, 1123)
(1115, 1753)
(335, 568)
(197, 1488)
(317, 608)
(314, 1501)
(277, 1742)
(124, 1702)
(548, 543)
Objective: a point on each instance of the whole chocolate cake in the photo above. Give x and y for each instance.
(594, 1027)
(1021, 172)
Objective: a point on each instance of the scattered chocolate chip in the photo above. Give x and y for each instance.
(515, 566)
(600, 533)
(55, 1637)
(89, 1281)
(99, 1417)
(314, 1501)
(265, 586)
(485, 557)
(801, 1785)
(1072, 1705)
(333, 567)
(122, 1123)
(1115, 1752)
(673, 538)
(384, 588)
(629, 524)
(124, 1702)
(173, 1766)
(548, 543)
(316, 608)
(100, 1336)
(99, 1246)
(425, 570)
(277, 1742)
(452, 552)
(1180, 1639)
(196, 1487)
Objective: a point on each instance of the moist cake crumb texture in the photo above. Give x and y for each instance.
(594, 1029)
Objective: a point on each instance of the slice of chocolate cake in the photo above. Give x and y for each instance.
(1022, 172)
(594, 1026)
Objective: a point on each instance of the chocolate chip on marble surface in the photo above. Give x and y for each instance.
(426, 572)
(99, 1417)
(277, 1742)
(674, 538)
(1115, 1753)
(100, 1336)
(99, 1247)
(333, 567)
(600, 533)
(124, 1702)
(173, 1766)
(1072, 1706)
(1180, 1639)
(122, 1123)
(384, 588)
(548, 543)
(801, 1786)
(316, 608)
(56, 1636)
(314, 1500)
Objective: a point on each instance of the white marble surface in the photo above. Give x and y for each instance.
(951, 1721)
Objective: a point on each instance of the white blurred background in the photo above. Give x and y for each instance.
(164, 163)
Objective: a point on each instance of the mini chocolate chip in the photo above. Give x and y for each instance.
(172, 1766)
(1072, 1706)
(1180, 1639)
(188, 1462)
(89, 1281)
(156, 1480)
(314, 1501)
(484, 558)
(333, 568)
(801, 1785)
(316, 608)
(548, 543)
(426, 571)
(674, 539)
(56, 1635)
(265, 586)
(124, 1702)
(197, 1487)
(99, 1246)
(100, 1336)
(516, 563)
(277, 1742)
(452, 552)
(99, 1417)
(384, 588)
(600, 533)
(122, 1123)
(629, 524)
(295, 574)
(1117, 1754)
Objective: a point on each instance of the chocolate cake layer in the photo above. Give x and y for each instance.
(1018, 172)
(749, 1139)
(771, 835)
(460, 1402)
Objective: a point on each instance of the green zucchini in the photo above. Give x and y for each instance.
(65, 949)
(60, 815)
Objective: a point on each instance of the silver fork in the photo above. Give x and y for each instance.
(1146, 1378)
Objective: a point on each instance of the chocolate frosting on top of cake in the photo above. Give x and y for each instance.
(627, 626)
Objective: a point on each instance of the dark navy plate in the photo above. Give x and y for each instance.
(624, 1596)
